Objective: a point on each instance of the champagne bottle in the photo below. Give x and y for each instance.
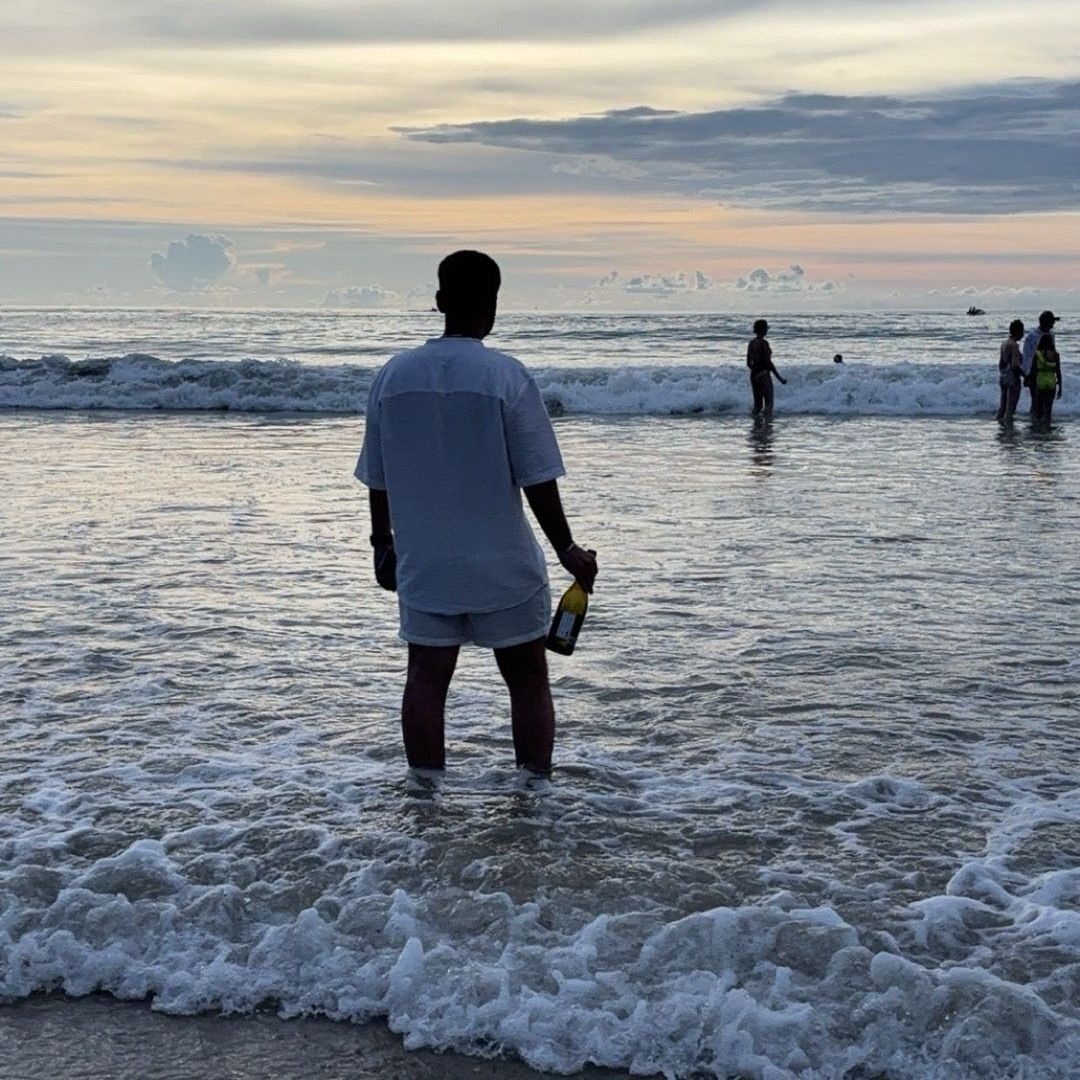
(569, 616)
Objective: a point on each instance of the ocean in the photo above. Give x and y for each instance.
(816, 810)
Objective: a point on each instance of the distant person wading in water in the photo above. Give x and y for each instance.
(1046, 372)
(1031, 343)
(1010, 371)
(759, 361)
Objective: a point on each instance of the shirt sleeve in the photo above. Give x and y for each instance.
(530, 439)
(1028, 353)
(369, 468)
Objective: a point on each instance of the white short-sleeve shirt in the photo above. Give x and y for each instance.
(1031, 343)
(454, 431)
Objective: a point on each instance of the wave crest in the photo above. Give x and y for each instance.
(141, 382)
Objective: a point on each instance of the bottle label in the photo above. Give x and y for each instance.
(566, 625)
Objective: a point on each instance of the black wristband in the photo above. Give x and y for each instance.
(383, 540)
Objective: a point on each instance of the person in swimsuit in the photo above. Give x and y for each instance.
(759, 361)
(1010, 371)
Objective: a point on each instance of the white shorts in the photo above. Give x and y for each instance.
(489, 629)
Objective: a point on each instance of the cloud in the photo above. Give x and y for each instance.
(360, 296)
(1003, 148)
(225, 23)
(656, 284)
(793, 279)
(198, 260)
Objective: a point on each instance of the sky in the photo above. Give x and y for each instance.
(615, 154)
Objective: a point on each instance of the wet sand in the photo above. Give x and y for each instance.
(100, 1038)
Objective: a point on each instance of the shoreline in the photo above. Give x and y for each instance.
(99, 1037)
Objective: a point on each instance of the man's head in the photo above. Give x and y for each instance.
(468, 290)
(1016, 329)
(1047, 320)
(761, 327)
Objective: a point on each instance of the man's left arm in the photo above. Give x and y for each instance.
(546, 503)
(536, 465)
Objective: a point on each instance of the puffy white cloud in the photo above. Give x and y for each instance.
(657, 284)
(360, 296)
(793, 279)
(198, 260)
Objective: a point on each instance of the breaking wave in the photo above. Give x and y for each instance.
(142, 382)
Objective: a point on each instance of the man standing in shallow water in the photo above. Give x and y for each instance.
(1031, 343)
(455, 432)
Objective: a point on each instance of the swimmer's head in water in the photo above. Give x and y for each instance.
(837, 359)
(761, 327)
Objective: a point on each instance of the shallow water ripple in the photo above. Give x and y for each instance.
(816, 812)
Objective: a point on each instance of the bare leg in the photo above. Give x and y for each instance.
(423, 705)
(767, 394)
(755, 386)
(532, 713)
(1014, 398)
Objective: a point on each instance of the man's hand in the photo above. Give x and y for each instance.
(386, 567)
(782, 379)
(580, 563)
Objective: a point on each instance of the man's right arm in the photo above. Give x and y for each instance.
(546, 504)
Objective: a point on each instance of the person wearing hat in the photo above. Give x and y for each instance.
(1046, 376)
(1031, 343)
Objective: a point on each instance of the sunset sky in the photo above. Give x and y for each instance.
(617, 153)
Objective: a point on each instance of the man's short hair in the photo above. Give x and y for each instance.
(760, 327)
(1047, 320)
(1016, 327)
(468, 280)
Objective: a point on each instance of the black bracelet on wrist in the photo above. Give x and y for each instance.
(382, 540)
(566, 551)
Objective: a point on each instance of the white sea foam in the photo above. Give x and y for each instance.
(814, 815)
(143, 382)
(769, 990)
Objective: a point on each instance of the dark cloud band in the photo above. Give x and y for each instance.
(1007, 148)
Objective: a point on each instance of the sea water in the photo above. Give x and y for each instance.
(816, 811)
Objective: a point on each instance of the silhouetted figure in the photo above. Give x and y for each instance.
(759, 361)
(455, 433)
(1031, 343)
(1046, 372)
(1010, 371)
